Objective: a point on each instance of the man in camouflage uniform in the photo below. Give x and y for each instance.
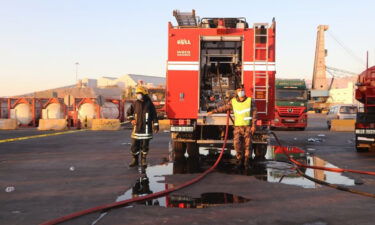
(244, 125)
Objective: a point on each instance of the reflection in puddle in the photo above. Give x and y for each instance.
(152, 178)
(206, 200)
(274, 169)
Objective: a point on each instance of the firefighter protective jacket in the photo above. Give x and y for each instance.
(144, 113)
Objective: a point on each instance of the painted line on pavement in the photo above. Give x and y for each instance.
(38, 136)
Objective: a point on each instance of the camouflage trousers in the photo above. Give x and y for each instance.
(242, 141)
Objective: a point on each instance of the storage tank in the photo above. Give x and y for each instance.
(86, 110)
(22, 113)
(110, 110)
(53, 111)
(126, 107)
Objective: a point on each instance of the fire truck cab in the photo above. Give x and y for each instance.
(208, 59)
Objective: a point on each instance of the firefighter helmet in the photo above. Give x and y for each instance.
(142, 90)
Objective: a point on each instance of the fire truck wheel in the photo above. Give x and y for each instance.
(192, 149)
(179, 149)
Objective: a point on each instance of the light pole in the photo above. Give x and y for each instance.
(77, 64)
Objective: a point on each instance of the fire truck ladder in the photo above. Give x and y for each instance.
(185, 19)
(260, 74)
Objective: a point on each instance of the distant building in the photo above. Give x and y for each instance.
(131, 80)
(86, 82)
(107, 82)
(342, 90)
(342, 95)
(150, 81)
(109, 87)
(78, 92)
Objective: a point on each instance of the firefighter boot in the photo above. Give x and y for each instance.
(134, 162)
(143, 160)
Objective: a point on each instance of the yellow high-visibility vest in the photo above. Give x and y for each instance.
(242, 112)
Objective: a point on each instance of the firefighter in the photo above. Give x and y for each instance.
(244, 124)
(143, 117)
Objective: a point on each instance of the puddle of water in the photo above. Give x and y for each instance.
(206, 200)
(274, 169)
(152, 179)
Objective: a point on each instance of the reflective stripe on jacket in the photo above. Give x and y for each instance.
(242, 112)
(144, 113)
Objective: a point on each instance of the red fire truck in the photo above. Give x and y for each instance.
(365, 123)
(208, 59)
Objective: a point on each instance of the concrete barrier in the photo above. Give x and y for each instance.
(342, 125)
(8, 124)
(86, 123)
(52, 124)
(105, 124)
(164, 125)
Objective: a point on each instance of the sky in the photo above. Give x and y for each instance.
(40, 41)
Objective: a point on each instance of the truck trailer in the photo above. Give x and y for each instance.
(365, 122)
(208, 59)
(291, 104)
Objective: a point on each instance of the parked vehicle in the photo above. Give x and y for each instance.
(341, 112)
(291, 104)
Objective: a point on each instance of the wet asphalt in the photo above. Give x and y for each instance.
(45, 178)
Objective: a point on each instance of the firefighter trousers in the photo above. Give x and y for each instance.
(242, 141)
(139, 146)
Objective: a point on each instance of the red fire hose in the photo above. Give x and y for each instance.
(337, 170)
(146, 197)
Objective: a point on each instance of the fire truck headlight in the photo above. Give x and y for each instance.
(276, 120)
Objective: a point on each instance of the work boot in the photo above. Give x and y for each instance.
(134, 162)
(143, 160)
